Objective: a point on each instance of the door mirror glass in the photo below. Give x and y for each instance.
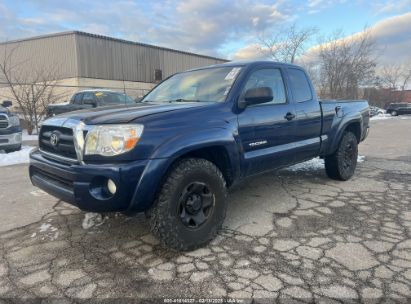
(258, 95)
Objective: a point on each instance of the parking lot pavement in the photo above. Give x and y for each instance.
(290, 234)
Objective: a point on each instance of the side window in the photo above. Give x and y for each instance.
(299, 85)
(76, 99)
(268, 78)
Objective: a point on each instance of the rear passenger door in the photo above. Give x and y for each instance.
(267, 135)
(308, 115)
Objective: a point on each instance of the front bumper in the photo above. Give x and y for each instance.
(9, 141)
(84, 185)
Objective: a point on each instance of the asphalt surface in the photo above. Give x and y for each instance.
(288, 235)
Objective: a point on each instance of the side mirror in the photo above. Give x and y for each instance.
(90, 102)
(138, 99)
(7, 103)
(256, 96)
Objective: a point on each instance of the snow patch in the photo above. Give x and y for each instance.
(14, 158)
(315, 164)
(38, 193)
(26, 136)
(92, 219)
(47, 231)
(44, 227)
(381, 117)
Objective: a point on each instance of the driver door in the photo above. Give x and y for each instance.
(267, 131)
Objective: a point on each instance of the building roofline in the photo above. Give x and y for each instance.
(66, 33)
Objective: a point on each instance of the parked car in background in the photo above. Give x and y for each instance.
(396, 109)
(89, 99)
(10, 129)
(374, 111)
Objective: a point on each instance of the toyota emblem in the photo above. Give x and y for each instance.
(54, 139)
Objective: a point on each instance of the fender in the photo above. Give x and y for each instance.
(166, 154)
(338, 130)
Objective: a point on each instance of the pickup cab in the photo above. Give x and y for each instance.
(89, 99)
(195, 135)
(10, 129)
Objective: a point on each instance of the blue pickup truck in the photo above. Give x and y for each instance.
(175, 153)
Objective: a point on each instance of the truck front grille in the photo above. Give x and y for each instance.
(62, 146)
(4, 121)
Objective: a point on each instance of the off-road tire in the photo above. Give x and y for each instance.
(164, 218)
(342, 163)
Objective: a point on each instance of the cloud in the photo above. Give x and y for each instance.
(386, 7)
(201, 26)
(392, 39)
(251, 51)
(392, 42)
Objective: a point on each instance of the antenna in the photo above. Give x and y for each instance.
(122, 74)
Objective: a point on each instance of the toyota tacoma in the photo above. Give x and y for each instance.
(195, 135)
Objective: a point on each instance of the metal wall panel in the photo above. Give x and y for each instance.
(55, 54)
(104, 58)
(77, 54)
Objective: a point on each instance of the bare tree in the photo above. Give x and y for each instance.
(287, 44)
(395, 76)
(345, 64)
(391, 83)
(32, 88)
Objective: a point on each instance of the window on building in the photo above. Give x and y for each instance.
(158, 75)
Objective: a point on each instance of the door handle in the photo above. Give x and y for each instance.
(289, 116)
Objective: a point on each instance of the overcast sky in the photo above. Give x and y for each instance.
(220, 28)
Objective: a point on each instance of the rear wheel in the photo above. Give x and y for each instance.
(191, 206)
(394, 113)
(342, 163)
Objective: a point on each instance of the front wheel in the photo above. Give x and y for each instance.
(342, 163)
(394, 113)
(191, 206)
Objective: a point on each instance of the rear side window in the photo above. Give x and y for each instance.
(299, 85)
(76, 99)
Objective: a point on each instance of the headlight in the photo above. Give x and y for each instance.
(111, 140)
(14, 121)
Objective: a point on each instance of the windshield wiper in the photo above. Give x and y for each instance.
(184, 100)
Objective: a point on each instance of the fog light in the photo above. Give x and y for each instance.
(111, 187)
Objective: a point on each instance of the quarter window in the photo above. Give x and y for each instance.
(268, 78)
(299, 85)
(77, 99)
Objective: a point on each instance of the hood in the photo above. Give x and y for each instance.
(123, 114)
(4, 110)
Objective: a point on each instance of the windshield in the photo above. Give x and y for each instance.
(207, 85)
(114, 98)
